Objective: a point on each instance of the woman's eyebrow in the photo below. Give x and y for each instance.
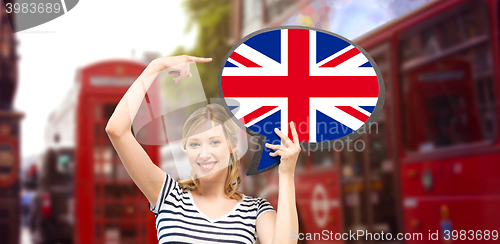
(215, 137)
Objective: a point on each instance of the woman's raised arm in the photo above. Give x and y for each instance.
(278, 227)
(147, 176)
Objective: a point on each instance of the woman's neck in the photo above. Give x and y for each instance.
(212, 188)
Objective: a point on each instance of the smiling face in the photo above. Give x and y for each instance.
(208, 150)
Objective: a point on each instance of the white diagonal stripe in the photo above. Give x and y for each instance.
(362, 110)
(234, 62)
(255, 56)
(347, 101)
(326, 60)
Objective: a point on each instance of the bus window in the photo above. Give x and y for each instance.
(378, 146)
(410, 47)
(447, 92)
(475, 22)
(430, 41)
(353, 190)
(451, 32)
(323, 158)
(352, 161)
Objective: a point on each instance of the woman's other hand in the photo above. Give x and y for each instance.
(178, 65)
(289, 152)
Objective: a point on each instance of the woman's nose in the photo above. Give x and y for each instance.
(205, 152)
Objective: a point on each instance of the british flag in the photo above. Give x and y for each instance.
(318, 80)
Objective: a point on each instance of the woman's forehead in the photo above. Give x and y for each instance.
(207, 130)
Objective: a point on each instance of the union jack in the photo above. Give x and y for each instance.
(320, 81)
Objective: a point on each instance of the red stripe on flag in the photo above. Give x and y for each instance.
(353, 112)
(314, 86)
(242, 60)
(298, 75)
(257, 113)
(341, 58)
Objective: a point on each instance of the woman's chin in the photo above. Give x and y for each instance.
(209, 175)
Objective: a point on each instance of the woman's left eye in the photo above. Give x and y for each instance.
(215, 142)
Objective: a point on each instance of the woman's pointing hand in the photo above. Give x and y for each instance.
(178, 65)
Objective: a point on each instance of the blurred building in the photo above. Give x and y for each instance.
(9, 134)
(8, 56)
(345, 17)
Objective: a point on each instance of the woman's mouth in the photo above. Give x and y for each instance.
(207, 166)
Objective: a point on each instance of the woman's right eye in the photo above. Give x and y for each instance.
(194, 144)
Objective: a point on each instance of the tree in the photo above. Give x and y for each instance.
(213, 41)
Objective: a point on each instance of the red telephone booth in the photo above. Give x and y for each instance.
(109, 206)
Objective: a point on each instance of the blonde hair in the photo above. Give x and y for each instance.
(215, 113)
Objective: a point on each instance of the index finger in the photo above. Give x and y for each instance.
(294, 133)
(283, 136)
(199, 60)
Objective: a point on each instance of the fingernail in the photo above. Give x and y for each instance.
(293, 123)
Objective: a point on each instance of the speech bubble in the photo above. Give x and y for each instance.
(326, 84)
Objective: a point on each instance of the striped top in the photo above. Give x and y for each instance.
(179, 220)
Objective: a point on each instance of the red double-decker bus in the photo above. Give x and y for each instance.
(432, 161)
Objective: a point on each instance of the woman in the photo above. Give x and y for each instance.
(209, 208)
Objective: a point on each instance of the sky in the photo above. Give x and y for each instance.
(352, 18)
(50, 54)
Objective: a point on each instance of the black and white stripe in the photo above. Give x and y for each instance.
(179, 220)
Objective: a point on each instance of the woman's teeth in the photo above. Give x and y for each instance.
(207, 165)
